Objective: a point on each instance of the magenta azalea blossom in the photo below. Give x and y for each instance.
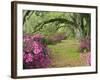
(37, 47)
(35, 52)
(28, 57)
(38, 36)
(26, 37)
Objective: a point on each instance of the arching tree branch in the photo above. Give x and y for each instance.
(60, 20)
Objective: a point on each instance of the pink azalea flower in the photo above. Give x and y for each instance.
(37, 47)
(89, 59)
(35, 54)
(36, 36)
(26, 37)
(28, 57)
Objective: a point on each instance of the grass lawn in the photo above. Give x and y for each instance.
(65, 54)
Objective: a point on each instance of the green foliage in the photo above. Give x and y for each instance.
(48, 29)
(75, 25)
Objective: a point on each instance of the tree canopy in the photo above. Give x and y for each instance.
(49, 22)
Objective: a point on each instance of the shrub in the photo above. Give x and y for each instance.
(57, 37)
(35, 53)
(85, 44)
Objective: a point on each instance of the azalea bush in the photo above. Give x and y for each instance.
(35, 52)
(55, 38)
(86, 59)
(85, 44)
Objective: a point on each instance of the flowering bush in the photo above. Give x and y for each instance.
(28, 57)
(35, 53)
(57, 37)
(85, 44)
(89, 59)
(86, 58)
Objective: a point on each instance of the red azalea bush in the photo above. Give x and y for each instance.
(35, 53)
